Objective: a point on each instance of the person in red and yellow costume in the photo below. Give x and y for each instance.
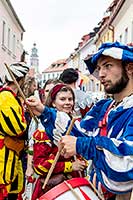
(12, 129)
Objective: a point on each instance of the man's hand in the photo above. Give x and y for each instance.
(35, 104)
(69, 145)
(79, 165)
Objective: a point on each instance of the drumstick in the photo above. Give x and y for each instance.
(97, 192)
(21, 92)
(57, 155)
(131, 198)
(72, 190)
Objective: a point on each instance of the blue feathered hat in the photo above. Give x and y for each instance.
(115, 50)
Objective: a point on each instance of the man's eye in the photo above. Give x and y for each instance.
(108, 65)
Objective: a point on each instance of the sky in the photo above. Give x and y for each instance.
(57, 26)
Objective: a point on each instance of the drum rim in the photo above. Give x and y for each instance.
(62, 188)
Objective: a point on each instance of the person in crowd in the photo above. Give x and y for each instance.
(30, 86)
(83, 103)
(30, 173)
(49, 85)
(60, 98)
(33, 126)
(109, 123)
(12, 129)
(43, 92)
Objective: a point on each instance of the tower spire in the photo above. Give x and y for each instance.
(34, 58)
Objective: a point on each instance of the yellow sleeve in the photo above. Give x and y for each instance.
(12, 121)
(68, 167)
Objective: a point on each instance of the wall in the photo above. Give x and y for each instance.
(123, 21)
(9, 51)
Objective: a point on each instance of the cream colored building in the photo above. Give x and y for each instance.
(105, 34)
(122, 21)
(54, 70)
(11, 35)
(92, 83)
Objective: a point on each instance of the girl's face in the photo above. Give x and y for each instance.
(33, 87)
(48, 88)
(64, 102)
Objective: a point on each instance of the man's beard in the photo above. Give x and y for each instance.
(119, 85)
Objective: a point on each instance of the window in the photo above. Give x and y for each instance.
(126, 36)
(44, 76)
(132, 32)
(18, 43)
(3, 33)
(97, 87)
(120, 38)
(21, 36)
(14, 44)
(8, 39)
(91, 85)
(48, 76)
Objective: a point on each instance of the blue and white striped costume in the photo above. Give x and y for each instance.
(113, 158)
(112, 155)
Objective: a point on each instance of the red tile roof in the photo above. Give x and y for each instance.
(57, 66)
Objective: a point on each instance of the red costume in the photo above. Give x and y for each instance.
(44, 154)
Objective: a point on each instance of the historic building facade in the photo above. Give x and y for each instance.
(11, 36)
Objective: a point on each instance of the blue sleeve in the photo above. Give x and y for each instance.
(91, 119)
(76, 132)
(55, 122)
(112, 157)
(47, 118)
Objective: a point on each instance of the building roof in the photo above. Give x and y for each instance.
(57, 66)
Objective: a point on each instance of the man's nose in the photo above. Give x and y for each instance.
(102, 73)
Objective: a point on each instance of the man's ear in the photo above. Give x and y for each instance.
(129, 68)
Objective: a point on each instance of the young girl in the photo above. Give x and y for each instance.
(33, 126)
(60, 98)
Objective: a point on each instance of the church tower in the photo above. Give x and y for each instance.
(34, 59)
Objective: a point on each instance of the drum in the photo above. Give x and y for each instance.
(73, 189)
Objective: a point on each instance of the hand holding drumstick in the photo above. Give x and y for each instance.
(57, 155)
